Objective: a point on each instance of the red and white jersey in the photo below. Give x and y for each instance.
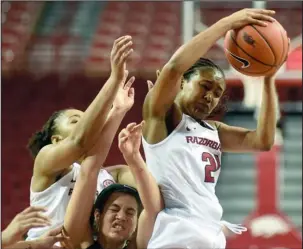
(186, 165)
(56, 198)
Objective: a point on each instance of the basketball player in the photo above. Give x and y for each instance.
(183, 150)
(117, 208)
(71, 135)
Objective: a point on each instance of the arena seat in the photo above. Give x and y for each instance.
(154, 26)
(18, 19)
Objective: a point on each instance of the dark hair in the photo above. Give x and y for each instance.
(43, 137)
(201, 63)
(206, 63)
(105, 195)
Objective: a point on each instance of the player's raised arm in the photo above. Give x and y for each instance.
(238, 139)
(160, 100)
(129, 145)
(150, 195)
(122, 104)
(76, 220)
(82, 138)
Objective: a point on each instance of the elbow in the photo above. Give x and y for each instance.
(173, 69)
(263, 141)
(266, 146)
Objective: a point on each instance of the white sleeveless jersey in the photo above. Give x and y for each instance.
(186, 165)
(56, 198)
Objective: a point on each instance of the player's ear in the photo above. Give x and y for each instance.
(56, 138)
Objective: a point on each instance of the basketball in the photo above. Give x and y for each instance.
(257, 51)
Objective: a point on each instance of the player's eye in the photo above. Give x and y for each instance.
(74, 121)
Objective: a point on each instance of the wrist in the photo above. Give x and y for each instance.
(115, 77)
(225, 24)
(132, 158)
(5, 239)
(120, 110)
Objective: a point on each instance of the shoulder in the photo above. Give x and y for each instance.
(215, 124)
(43, 153)
(41, 158)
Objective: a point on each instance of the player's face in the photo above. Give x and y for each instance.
(67, 121)
(119, 219)
(201, 94)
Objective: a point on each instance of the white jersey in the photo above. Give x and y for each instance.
(56, 198)
(186, 165)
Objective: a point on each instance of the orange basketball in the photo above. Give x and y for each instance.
(257, 51)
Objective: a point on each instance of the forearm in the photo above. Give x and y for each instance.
(96, 114)
(266, 127)
(146, 185)
(107, 134)
(191, 51)
(76, 219)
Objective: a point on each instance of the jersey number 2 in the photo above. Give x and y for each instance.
(213, 166)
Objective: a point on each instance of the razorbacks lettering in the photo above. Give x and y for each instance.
(203, 141)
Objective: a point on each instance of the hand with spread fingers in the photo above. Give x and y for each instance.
(130, 140)
(119, 54)
(31, 217)
(250, 16)
(126, 94)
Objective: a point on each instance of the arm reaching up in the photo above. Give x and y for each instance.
(61, 153)
(129, 145)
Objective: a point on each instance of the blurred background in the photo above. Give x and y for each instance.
(56, 55)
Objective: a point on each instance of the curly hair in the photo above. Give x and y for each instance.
(43, 137)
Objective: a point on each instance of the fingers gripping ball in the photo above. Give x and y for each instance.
(257, 51)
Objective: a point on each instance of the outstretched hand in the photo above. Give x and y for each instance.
(31, 217)
(120, 53)
(130, 139)
(126, 94)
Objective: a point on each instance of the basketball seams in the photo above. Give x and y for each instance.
(275, 63)
(235, 42)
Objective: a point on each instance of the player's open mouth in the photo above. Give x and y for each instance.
(118, 227)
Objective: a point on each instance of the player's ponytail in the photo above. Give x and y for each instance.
(43, 137)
